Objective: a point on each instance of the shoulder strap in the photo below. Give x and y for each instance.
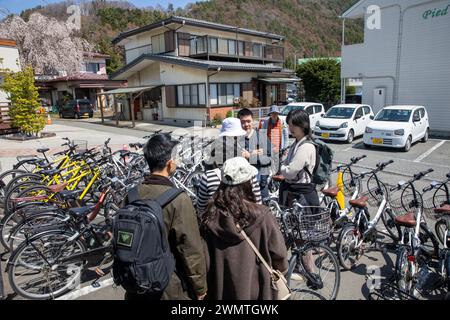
(307, 140)
(168, 196)
(133, 194)
(258, 254)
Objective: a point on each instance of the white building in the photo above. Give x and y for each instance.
(187, 69)
(9, 61)
(405, 56)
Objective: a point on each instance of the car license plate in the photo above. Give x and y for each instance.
(377, 140)
(325, 135)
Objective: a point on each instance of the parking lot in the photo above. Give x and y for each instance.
(354, 284)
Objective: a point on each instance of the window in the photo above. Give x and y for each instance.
(310, 110)
(222, 94)
(416, 115)
(359, 113)
(180, 95)
(227, 93)
(186, 95)
(213, 45)
(213, 94)
(317, 109)
(201, 94)
(257, 50)
(366, 110)
(191, 95)
(92, 67)
(1, 79)
(241, 51)
(158, 43)
(422, 112)
(194, 94)
(232, 47)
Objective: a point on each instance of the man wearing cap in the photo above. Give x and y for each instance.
(277, 129)
(230, 144)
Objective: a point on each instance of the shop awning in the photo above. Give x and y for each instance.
(279, 80)
(127, 90)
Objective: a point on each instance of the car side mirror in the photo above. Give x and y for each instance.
(358, 117)
(372, 117)
(322, 115)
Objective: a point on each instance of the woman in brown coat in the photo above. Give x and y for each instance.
(234, 272)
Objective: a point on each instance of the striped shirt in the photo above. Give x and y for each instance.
(210, 183)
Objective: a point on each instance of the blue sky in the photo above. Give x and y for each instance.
(16, 6)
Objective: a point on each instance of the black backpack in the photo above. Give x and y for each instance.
(143, 262)
(324, 160)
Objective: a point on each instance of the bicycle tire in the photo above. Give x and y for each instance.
(44, 219)
(388, 218)
(440, 227)
(439, 197)
(346, 179)
(404, 271)
(372, 187)
(344, 248)
(4, 181)
(429, 242)
(30, 176)
(28, 248)
(14, 193)
(326, 254)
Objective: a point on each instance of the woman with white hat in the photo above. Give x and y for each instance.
(230, 144)
(234, 272)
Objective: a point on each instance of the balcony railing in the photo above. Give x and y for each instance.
(213, 46)
(134, 53)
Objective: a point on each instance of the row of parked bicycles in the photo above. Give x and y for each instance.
(57, 213)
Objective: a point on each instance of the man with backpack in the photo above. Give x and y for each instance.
(158, 252)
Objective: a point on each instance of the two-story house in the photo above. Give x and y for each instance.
(88, 83)
(405, 56)
(192, 70)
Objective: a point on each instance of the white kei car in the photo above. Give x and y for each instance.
(343, 122)
(315, 110)
(398, 127)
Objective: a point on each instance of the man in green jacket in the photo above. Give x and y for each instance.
(189, 279)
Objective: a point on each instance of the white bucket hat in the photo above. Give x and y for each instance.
(237, 170)
(231, 127)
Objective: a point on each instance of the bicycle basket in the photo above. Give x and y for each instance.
(81, 145)
(314, 227)
(402, 201)
(428, 209)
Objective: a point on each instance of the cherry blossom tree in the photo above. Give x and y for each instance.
(48, 45)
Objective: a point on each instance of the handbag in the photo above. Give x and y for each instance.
(279, 284)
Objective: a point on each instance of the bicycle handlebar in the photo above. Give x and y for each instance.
(356, 159)
(382, 165)
(426, 189)
(422, 174)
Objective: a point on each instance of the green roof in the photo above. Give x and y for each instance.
(305, 60)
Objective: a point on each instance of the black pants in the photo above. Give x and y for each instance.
(304, 193)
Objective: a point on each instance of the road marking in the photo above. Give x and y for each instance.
(426, 154)
(86, 290)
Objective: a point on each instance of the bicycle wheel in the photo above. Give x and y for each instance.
(428, 242)
(32, 225)
(439, 197)
(322, 279)
(8, 204)
(349, 185)
(407, 199)
(5, 178)
(23, 178)
(388, 218)
(36, 270)
(440, 228)
(347, 250)
(405, 271)
(372, 188)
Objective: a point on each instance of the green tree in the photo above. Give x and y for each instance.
(321, 80)
(24, 97)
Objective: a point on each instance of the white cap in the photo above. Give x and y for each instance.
(237, 170)
(231, 127)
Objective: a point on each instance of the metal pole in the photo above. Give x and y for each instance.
(115, 108)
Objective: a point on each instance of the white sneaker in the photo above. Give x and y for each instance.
(297, 277)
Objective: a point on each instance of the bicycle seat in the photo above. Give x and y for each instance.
(80, 212)
(42, 150)
(445, 209)
(58, 187)
(359, 203)
(331, 192)
(408, 220)
(69, 194)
